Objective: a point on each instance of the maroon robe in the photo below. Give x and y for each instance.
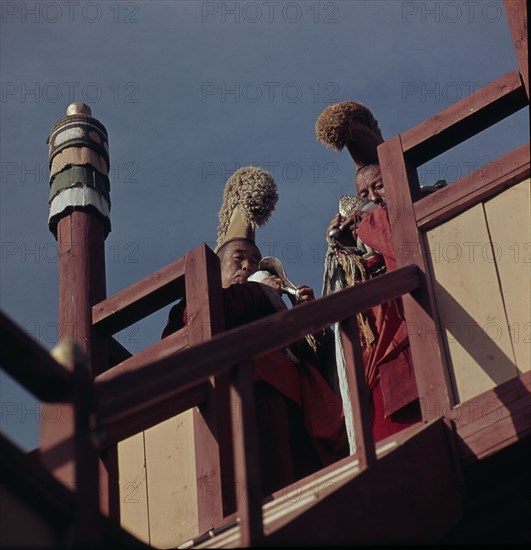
(388, 366)
(300, 418)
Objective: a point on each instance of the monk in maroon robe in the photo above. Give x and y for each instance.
(386, 354)
(300, 418)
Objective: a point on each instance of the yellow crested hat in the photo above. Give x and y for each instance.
(351, 125)
(249, 199)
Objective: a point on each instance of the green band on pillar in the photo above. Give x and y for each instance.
(78, 176)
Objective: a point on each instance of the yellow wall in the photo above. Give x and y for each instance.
(158, 488)
(481, 269)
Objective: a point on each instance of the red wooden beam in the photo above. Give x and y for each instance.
(26, 477)
(161, 349)
(81, 251)
(516, 11)
(87, 528)
(204, 302)
(30, 364)
(464, 119)
(140, 299)
(246, 456)
(419, 307)
(365, 447)
(133, 386)
(213, 461)
(485, 182)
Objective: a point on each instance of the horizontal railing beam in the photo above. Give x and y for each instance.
(159, 350)
(466, 118)
(516, 13)
(140, 299)
(464, 193)
(132, 387)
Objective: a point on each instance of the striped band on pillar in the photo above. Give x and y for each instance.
(78, 156)
(79, 167)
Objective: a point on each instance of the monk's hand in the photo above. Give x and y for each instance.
(305, 294)
(333, 229)
(274, 282)
(348, 228)
(344, 228)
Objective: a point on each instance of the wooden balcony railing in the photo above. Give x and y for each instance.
(141, 392)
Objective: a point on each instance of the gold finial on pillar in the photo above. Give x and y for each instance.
(78, 108)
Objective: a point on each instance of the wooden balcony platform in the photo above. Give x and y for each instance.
(428, 484)
(410, 494)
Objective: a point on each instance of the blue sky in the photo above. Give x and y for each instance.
(189, 91)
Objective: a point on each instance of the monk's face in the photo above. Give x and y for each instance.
(369, 184)
(239, 260)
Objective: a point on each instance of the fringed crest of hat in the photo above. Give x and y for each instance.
(351, 125)
(249, 199)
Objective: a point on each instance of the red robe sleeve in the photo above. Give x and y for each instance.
(387, 359)
(245, 303)
(375, 231)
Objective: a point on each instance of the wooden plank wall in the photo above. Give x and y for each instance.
(171, 481)
(479, 263)
(508, 218)
(133, 487)
(158, 489)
